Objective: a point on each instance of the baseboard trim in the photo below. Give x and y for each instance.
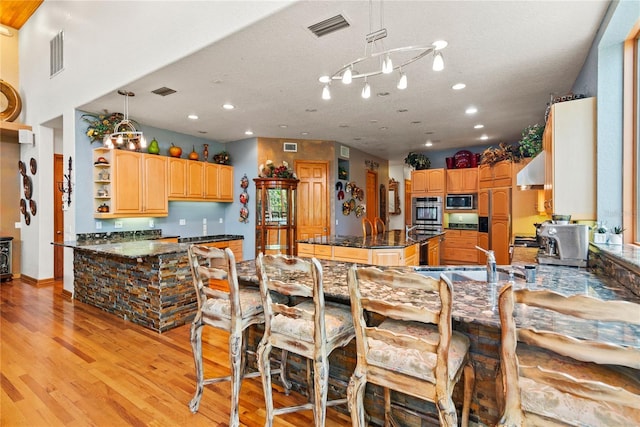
(67, 295)
(37, 283)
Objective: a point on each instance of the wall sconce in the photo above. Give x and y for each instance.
(371, 165)
(65, 186)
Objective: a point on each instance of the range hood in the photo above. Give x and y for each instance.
(532, 175)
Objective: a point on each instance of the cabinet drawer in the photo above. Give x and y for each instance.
(460, 255)
(305, 250)
(351, 254)
(322, 251)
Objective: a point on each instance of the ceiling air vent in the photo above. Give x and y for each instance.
(328, 26)
(163, 91)
(56, 54)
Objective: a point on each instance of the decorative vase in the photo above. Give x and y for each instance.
(205, 152)
(599, 238)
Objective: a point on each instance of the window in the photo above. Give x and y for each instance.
(631, 137)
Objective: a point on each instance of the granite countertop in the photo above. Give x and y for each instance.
(143, 246)
(476, 302)
(389, 239)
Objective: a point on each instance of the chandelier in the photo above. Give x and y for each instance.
(124, 132)
(379, 60)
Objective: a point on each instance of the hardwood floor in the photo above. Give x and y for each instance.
(67, 363)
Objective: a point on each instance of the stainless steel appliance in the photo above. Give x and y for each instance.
(564, 244)
(460, 202)
(426, 214)
(5, 258)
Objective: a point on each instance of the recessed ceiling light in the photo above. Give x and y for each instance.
(310, 110)
(283, 126)
(228, 106)
(202, 131)
(429, 132)
(373, 121)
(471, 110)
(343, 125)
(478, 126)
(416, 122)
(382, 94)
(304, 133)
(248, 132)
(439, 44)
(402, 110)
(458, 86)
(484, 137)
(357, 138)
(428, 144)
(384, 128)
(324, 79)
(192, 117)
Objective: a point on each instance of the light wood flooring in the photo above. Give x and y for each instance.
(65, 363)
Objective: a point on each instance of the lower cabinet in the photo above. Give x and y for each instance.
(460, 247)
(392, 257)
(433, 248)
(236, 248)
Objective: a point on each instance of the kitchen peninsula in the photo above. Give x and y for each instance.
(140, 276)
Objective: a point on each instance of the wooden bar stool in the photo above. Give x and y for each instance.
(582, 379)
(310, 328)
(232, 311)
(413, 350)
(367, 227)
(378, 226)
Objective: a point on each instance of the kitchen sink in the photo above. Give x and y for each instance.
(459, 275)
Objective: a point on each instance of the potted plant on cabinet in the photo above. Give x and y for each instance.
(600, 234)
(616, 237)
(531, 142)
(418, 161)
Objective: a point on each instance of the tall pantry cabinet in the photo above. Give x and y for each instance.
(569, 141)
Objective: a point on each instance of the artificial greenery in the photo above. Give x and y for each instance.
(531, 142)
(101, 125)
(418, 161)
(618, 229)
(497, 154)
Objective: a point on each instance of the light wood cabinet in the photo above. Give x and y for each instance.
(356, 255)
(499, 174)
(500, 240)
(427, 181)
(191, 180)
(460, 247)
(569, 141)
(392, 257)
(130, 184)
(234, 245)
(433, 257)
(462, 181)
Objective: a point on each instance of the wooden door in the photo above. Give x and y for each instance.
(58, 217)
(407, 202)
(155, 184)
(371, 195)
(313, 199)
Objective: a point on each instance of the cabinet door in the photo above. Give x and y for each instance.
(547, 145)
(211, 179)
(501, 203)
(154, 184)
(485, 176)
(435, 180)
(455, 181)
(434, 251)
(127, 177)
(177, 177)
(225, 183)
(470, 180)
(195, 181)
(387, 257)
(502, 174)
(483, 203)
(419, 181)
(483, 242)
(500, 241)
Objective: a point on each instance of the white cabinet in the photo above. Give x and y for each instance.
(570, 171)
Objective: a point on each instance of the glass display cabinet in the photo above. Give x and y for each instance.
(276, 215)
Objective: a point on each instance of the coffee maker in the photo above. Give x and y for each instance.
(563, 244)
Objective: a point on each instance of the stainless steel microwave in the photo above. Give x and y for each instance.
(460, 201)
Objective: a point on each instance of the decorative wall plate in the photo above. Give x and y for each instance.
(346, 208)
(28, 188)
(23, 206)
(32, 207)
(33, 166)
(27, 218)
(22, 168)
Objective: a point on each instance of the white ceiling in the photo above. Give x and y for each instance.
(511, 55)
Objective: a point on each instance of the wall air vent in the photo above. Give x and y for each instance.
(163, 91)
(56, 54)
(328, 26)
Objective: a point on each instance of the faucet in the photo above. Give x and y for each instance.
(492, 271)
(408, 230)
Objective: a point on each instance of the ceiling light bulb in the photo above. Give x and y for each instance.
(402, 83)
(228, 106)
(458, 86)
(324, 79)
(387, 65)
(478, 126)
(471, 110)
(366, 90)
(439, 44)
(131, 145)
(438, 61)
(143, 142)
(192, 117)
(484, 137)
(248, 132)
(347, 76)
(326, 93)
(428, 144)
(119, 140)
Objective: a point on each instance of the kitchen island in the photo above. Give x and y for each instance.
(146, 279)
(392, 248)
(475, 313)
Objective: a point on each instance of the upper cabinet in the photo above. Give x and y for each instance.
(570, 171)
(191, 180)
(427, 181)
(462, 181)
(499, 174)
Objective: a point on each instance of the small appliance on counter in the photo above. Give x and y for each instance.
(563, 244)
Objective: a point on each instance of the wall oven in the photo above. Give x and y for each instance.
(426, 214)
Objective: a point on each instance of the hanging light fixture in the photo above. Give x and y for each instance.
(125, 133)
(375, 54)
